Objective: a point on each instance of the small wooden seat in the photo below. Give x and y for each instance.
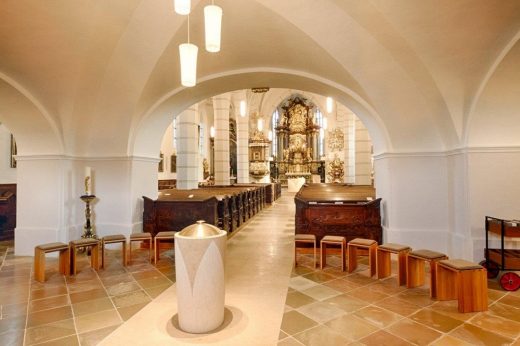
(39, 259)
(384, 267)
(112, 239)
(415, 263)
(306, 239)
(94, 252)
(332, 240)
(143, 236)
(464, 281)
(158, 237)
(360, 243)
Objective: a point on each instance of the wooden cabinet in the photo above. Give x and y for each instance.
(338, 209)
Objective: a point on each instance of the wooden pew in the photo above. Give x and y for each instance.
(338, 209)
(174, 210)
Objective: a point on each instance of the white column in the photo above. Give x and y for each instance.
(350, 149)
(363, 155)
(243, 149)
(188, 149)
(221, 115)
(49, 208)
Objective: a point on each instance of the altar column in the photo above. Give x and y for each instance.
(221, 115)
(363, 155)
(187, 149)
(243, 148)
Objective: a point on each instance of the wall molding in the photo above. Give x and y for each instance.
(453, 152)
(87, 158)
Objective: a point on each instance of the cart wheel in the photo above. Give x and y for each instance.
(492, 268)
(510, 281)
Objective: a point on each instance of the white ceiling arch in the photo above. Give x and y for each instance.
(147, 134)
(35, 130)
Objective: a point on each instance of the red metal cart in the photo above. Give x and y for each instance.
(503, 259)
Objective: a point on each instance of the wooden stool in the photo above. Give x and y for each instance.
(332, 240)
(384, 267)
(464, 281)
(39, 259)
(366, 244)
(305, 238)
(94, 252)
(161, 236)
(144, 236)
(111, 239)
(415, 268)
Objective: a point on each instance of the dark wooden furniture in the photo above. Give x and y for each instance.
(339, 210)
(175, 209)
(270, 191)
(164, 184)
(7, 211)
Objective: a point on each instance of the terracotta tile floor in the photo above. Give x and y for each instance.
(80, 310)
(331, 307)
(325, 307)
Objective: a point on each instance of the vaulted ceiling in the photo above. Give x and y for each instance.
(102, 77)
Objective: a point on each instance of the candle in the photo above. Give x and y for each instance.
(88, 181)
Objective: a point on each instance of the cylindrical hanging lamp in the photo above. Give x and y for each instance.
(212, 25)
(260, 125)
(188, 56)
(242, 108)
(329, 104)
(182, 7)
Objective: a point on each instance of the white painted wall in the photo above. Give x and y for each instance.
(415, 194)
(494, 190)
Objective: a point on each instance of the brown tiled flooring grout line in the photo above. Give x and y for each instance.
(386, 328)
(72, 311)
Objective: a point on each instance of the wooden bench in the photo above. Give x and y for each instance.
(366, 244)
(39, 259)
(332, 240)
(464, 281)
(415, 263)
(143, 236)
(113, 239)
(157, 240)
(384, 266)
(93, 244)
(305, 239)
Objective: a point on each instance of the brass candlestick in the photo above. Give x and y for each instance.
(88, 231)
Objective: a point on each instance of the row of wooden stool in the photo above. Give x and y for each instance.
(67, 252)
(449, 279)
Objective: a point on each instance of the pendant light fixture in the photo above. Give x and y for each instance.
(260, 124)
(188, 56)
(329, 104)
(212, 26)
(242, 108)
(182, 7)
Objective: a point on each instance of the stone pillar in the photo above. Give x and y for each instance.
(350, 148)
(363, 155)
(221, 115)
(243, 148)
(188, 149)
